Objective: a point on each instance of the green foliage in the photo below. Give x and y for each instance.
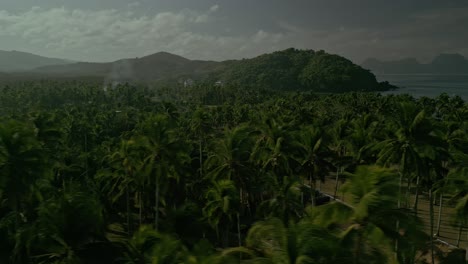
(332, 73)
(293, 70)
(227, 177)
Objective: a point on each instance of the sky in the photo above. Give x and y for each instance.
(107, 30)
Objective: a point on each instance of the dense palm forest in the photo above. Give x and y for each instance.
(213, 174)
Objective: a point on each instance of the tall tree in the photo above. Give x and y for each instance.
(413, 143)
(314, 156)
(371, 215)
(230, 160)
(124, 177)
(22, 163)
(164, 154)
(222, 205)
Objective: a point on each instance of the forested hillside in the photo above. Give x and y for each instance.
(294, 69)
(217, 174)
(287, 70)
(161, 66)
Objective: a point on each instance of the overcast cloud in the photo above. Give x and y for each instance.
(217, 30)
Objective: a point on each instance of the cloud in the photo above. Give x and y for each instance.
(422, 35)
(134, 4)
(110, 34)
(214, 8)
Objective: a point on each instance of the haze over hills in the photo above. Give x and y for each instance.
(289, 69)
(161, 65)
(14, 61)
(442, 64)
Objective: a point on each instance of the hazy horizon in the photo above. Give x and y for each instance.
(144, 55)
(103, 31)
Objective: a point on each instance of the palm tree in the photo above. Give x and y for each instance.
(164, 154)
(204, 253)
(275, 148)
(371, 215)
(149, 246)
(457, 187)
(339, 146)
(230, 160)
(362, 132)
(284, 201)
(271, 241)
(123, 177)
(22, 163)
(313, 156)
(200, 126)
(412, 146)
(67, 224)
(222, 204)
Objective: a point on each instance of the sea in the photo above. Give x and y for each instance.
(429, 85)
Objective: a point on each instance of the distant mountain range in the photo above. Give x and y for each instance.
(442, 64)
(290, 69)
(161, 65)
(14, 61)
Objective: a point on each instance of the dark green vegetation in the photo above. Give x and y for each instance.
(293, 69)
(220, 175)
(289, 69)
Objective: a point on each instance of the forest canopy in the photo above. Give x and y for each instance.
(305, 70)
(134, 174)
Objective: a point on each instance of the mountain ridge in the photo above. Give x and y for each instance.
(156, 66)
(290, 69)
(17, 61)
(445, 63)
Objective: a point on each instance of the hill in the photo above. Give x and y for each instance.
(14, 61)
(154, 67)
(442, 64)
(289, 69)
(294, 69)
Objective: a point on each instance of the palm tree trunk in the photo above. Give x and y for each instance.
(439, 220)
(460, 231)
(17, 213)
(200, 152)
(86, 156)
(226, 236)
(302, 193)
(140, 212)
(357, 250)
(239, 235)
(129, 228)
(312, 190)
(416, 198)
(241, 199)
(336, 181)
(399, 190)
(431, 215)
(156, 202)
(466, 248)
(408, 193)
(399, 206)
(238, 230)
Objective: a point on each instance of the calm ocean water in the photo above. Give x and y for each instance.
(428, 85)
